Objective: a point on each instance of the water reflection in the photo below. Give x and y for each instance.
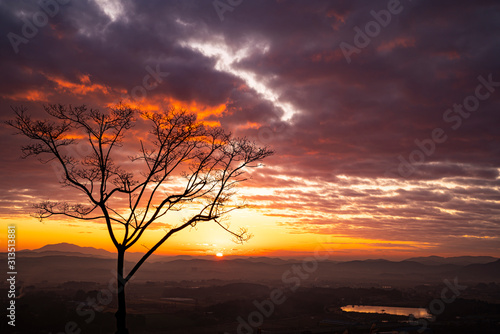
(406, 311)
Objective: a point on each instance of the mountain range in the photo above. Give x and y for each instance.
(60, 263)
(71, 249)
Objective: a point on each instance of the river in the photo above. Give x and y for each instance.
(406, 311)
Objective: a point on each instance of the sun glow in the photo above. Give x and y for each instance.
(219, 254)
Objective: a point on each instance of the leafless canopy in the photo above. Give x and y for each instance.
(178, 147)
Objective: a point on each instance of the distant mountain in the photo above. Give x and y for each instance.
(67, 262)
(269, 260)
(64, 247)
(488, 271)
(33, 254)
(458, 260)
(75, 250)
(381, 265)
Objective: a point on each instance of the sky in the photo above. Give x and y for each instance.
(384, 115)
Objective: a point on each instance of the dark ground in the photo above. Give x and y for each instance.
(220, 307)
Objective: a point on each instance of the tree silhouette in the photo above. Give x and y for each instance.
(179, 163)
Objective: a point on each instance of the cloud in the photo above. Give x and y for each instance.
(274, 71)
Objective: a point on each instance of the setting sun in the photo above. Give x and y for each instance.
(219, 254)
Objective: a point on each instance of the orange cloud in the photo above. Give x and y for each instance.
(75, 136)
(82, 88)
(29, 95)
(149, 107)
(397, 42)
(203, 111)
(250, 125)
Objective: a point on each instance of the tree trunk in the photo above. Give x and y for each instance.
(121, 313)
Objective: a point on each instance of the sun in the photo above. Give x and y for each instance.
(219, 254)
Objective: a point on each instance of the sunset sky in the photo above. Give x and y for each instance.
(384, 115)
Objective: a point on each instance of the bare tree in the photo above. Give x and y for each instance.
(208, 161)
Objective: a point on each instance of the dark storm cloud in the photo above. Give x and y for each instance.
(348, 147)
